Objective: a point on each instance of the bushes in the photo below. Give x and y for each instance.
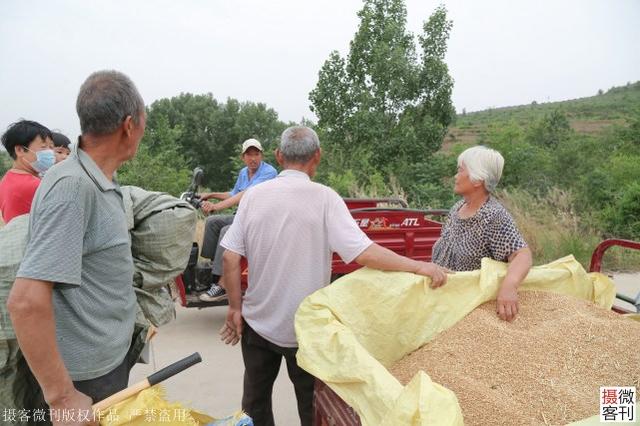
(567, 195)
(622, 216)
(550, 130)
(601, 172)
(608, 188)
(553, 228)
(5, 162)
(429, 183)
(158, 164)
(550, 224)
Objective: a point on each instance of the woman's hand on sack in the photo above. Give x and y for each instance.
(437, 273)
(209, 207)
(507, 302)
(231, 331)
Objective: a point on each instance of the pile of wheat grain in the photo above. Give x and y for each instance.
(546, 367)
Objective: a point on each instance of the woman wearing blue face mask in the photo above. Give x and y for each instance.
(30, 145)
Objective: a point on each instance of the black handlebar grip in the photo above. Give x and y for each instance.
(174, 368)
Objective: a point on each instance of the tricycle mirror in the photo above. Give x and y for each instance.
(198, 176)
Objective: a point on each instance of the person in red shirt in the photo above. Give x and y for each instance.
(30, 145)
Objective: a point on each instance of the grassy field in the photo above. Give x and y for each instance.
(588, 115)
(553, 229)
(616, 103)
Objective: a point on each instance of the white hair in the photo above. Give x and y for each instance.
(298, 144)
(483, 164)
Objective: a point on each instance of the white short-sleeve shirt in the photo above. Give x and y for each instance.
(288, 228)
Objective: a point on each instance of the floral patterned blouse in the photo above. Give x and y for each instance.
(490, 232)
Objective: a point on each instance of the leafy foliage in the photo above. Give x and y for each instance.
(601, 171)
(196, 130)
(5, 162)
(211, 133)
(622, 216)
(550, 130)
(385, 106)
(158, 164)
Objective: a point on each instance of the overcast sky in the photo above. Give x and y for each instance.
(501, 52)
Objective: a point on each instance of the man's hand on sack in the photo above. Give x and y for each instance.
(231, 331)
(209, 207)
(72, 410)
(437, 273)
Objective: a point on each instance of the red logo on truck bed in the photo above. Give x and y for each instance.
(382, 222)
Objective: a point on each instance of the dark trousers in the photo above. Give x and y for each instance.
(19, 389)
(262, 362)
(214, 229)
(118, 378)
(98, 389)
(101, 387)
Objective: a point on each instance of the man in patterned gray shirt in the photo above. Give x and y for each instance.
(72, 304)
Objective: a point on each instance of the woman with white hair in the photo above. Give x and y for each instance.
(479, 226)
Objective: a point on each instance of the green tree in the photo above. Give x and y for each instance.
(429, 184)
(622, 217)
(550, 130)
(158, 164)
(211, 132)
(629, 136)
(384, 98)
(5, 162)
(348, 172)
(526, 166)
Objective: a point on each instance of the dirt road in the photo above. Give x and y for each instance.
(215, 385)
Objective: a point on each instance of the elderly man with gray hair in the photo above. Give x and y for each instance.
(72, 305)
(479, 226)
(289, 257)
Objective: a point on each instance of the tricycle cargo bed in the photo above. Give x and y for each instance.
(331, 410)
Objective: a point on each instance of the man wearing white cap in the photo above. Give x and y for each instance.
(255, 172)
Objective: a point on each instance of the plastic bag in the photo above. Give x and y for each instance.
(150, 407)
(350, 331)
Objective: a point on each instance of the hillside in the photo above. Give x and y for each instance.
(587, 115)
